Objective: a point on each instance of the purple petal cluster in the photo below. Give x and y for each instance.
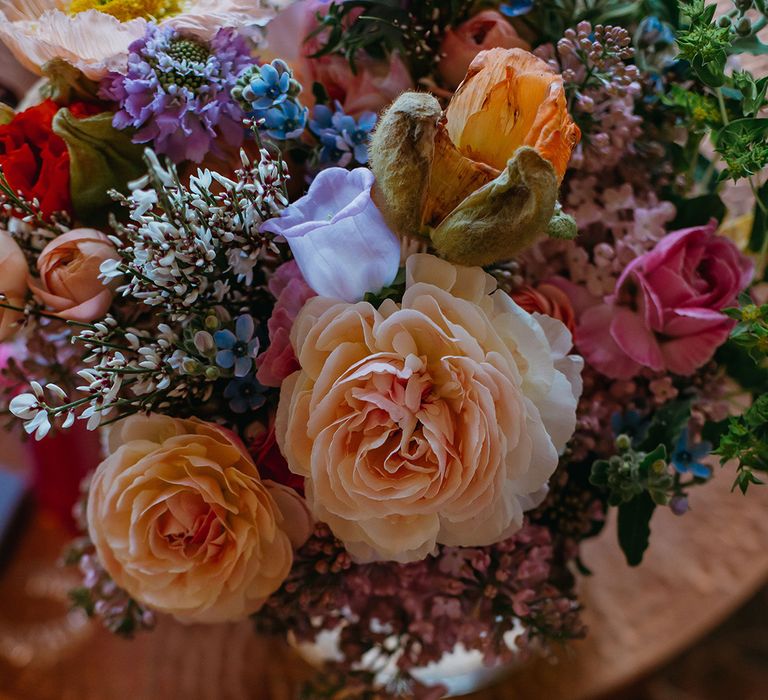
(471, 596)
(177, 92)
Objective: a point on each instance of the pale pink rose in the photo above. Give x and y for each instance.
(69, 283)
(486, 30)
(182, 521)
(666, 312)
(437, 420)
(375, 84)
(13, 283)
(291, 292)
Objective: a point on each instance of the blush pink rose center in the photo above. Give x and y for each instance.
(437, 420)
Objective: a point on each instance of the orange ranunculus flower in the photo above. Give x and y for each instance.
(549, 300)
(511, 98)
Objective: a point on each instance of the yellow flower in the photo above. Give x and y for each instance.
(125, 10)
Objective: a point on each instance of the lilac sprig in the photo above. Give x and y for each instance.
(602, 88)
(177, 92)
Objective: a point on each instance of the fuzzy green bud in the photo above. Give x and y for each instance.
(503, 217)
(400, 155)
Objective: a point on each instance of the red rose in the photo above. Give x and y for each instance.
(34, 160)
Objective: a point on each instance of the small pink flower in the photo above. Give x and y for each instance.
(486, 30)
(371, 88)
(291, 291)
(666, 310)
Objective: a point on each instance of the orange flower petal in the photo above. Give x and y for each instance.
(511, 98)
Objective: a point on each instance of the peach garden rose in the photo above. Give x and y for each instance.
(437, 420)
(13, 283)
(181, 520)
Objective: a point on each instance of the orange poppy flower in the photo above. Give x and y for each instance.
(510, 98)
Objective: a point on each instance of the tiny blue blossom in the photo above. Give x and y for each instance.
(267, 86)
(286, 121)
(686, 456)
(517, 8)
(629, 423)
(237, 350)
(245, 394)
(341, 136)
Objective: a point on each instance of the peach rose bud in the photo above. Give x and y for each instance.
(486, 30)
(69, 281)
(13, 283)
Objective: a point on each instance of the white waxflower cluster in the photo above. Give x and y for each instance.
(189, 251)
(197, 245)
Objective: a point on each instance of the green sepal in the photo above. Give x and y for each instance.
(101, 159)
(634, 527)
(66, 84)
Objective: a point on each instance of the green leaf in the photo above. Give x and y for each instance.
(634, 527)
(697, 211)
(750, 44)
(101, 158)
(710, 73)
(760, 221)
(660, 453)
(667, 424)
(741, 367)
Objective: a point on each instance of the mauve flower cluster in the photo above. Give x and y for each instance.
(177, 92)
(603, 88)
(626, 220)
(463, 595)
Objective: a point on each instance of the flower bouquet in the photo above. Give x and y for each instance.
(381, 306)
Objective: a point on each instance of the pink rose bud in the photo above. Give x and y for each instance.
(69, 281)
(486, 30)
(666, 313)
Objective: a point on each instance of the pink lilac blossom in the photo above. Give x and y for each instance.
(463, 595)
(603, 87)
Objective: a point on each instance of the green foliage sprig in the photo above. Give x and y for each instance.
(414, 29)
(746, 440)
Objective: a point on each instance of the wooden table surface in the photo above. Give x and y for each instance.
(699, 569)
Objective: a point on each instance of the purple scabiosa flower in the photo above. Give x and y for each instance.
(339, 238)
(342, 137)
(177, 92)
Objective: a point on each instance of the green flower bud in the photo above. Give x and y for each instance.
(101, 158)
(401, 153)
(623, 443)
(503, 217)
(744, 26)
